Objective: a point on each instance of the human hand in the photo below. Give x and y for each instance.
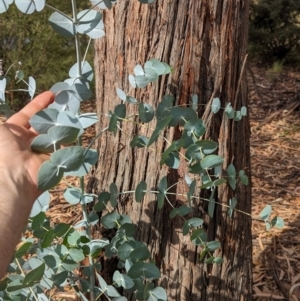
(17, 160)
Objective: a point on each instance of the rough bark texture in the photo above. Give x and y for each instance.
(205, 42)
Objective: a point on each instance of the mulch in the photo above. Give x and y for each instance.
(275, 157)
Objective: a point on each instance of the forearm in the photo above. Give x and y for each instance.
(16, 201)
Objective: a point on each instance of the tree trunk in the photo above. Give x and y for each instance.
(205, 42)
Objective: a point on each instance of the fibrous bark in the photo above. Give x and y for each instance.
(205, 43)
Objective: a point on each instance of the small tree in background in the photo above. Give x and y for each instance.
(274, 32)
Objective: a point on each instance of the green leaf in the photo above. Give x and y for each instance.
(121, 94)
(176, 145)
(160, 126)
(68, 158)
(232, 182)
(126, 230)
(229, 111)
(131, 100)
(182, 210)
(43, 143)
(88, 119)
(73, 238)
(62, 25)
(195, 127)
(44, 120)
(72, 195)
(123, 280)
(98, 31)
(162, 187)
(231, 171)
(114, 193)
(88, 20)
(139, 141)
(164, 107)
(112, 292)
(81, 88)
(185, 228)
(213, 245)
(49, 176)
(63, 134)
(34, 275)
(277, 222)
(113, 124)
(65, 99)
(125, 249)
(15, 288)
(38, 221)
(151, 74)
(159, 293)
(232, 204)
(218, 260)
(181, 115)
(199, 237)
(266, 212)
(140, 252)
(103, 199)
(29, 6)
(31, 86)
(90, 158)
(216, 105)
(68, 265)
(48, 239)
(191, 191)
(146, 112)
(76, 255)
(196, 168)
(60, 278)
(219, 182)
(244, 179)
(243, 111)
(120, 111)
(138, 70)
(19, 73)
(211, 161)
(238, 116)
(66, 118)
(102, 282)
(142, 81)
(93, 218)
(194, 153)
(209, 260)
(22, 249)
(61, 229)
(148, 270)
(110, 220)
(40, 204)
(146, 1)
(87, 70)
(140, 191)
(173, 160)
(195, 222)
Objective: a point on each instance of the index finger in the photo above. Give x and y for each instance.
(37, 104)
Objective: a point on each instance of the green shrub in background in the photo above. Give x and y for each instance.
(274, 32)
(32, 42)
